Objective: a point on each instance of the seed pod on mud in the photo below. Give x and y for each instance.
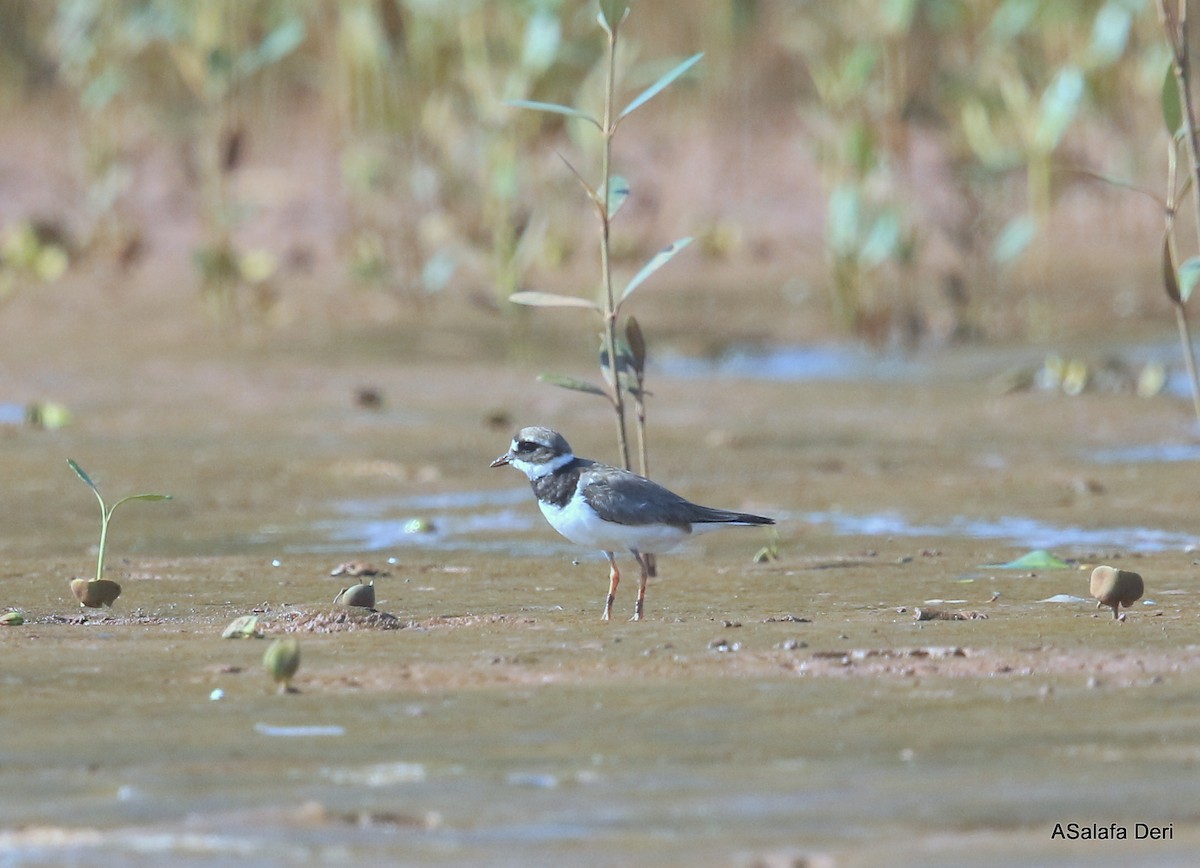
(357, 595)
(95, 593)
(1116, 588)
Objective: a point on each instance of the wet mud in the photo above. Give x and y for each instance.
(795, 710)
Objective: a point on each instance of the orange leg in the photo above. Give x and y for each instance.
(614, 579)
(644, 562)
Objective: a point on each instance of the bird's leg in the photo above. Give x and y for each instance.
(614, 579)
(641, 596)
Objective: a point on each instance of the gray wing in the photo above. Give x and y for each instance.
(626, 498)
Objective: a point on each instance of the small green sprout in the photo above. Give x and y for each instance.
(281, 660)
(769, 552)
(106, 514)
(244, 627)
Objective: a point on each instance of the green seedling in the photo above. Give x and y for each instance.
(281, 660)
(244, 627)
(99, 591)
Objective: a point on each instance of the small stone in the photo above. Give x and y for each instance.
(1116, 588)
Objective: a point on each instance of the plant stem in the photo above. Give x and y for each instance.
(610, 306)
(104, 518)
(1189, 356)
(1175, 26)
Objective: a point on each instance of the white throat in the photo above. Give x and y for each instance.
(545, 468)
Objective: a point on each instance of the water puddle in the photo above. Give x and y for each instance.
(795, 363)
(1147, 453)
(477, 520)
(501, 521)
(1018, 530)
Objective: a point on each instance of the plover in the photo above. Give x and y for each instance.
(607, 508)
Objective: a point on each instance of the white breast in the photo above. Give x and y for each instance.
(580, 524)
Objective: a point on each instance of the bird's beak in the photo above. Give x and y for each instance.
(501, 461)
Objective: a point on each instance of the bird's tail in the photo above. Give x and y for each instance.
(724, 516)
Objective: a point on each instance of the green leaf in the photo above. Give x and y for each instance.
(278, 44)
(1017, 234)
(587, 188)
(843, 220)
(80, 473)
(656, 262)
(1189, 276)
(1110, 32)
(553, 108)
(550, 299)
(1170, 278)
(612, 13)
(1060, 102)
(618, 192)
(883, 240)
(654, 89)
(1172, 111)
(543, 36)
(564, 382)
(637, 345)
(146, 497)
(1038, 559)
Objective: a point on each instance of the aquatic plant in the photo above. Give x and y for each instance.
(622, 349)
(100, 591)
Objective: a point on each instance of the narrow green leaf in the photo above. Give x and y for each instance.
(553, 108)
(1059, 105)
(1172, 111)
(550, 299)
(1110, 32)
(279, 43)
(1170, 278)
(564, 382)
(1189, 276)
(618, 192)
(883, 241)
(147, 497)
(656, 262)
(654, 89)
(79, 472)
(587, 188)
(637, 345)
(843, 220)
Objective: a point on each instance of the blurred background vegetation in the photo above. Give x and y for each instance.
(916, 170)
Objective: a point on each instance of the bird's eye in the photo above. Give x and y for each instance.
(526, 446)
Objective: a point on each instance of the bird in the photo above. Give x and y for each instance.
(610, 509)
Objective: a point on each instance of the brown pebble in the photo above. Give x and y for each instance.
(1116, 588)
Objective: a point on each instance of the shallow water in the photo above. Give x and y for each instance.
(794, 708)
